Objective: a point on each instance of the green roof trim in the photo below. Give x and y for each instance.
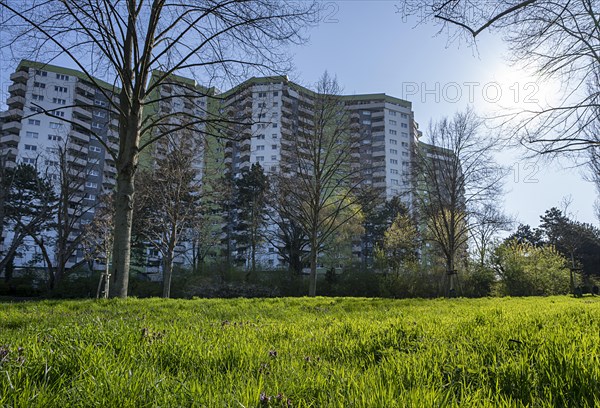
(185, 81)
(67, 71)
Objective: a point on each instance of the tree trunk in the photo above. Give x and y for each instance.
(312, 287)
(167, 273)
(123, 219)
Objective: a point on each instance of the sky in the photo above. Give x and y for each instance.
(372, 47)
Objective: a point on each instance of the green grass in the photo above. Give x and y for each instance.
(323, 352)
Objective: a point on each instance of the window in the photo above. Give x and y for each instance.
(100, 103)
(393, 122)
(262, 94)
(404, 134)
(276, 93)
(260, 158)
(55, 137)
(393, 113)
(50, 162)
(32, 135)
(393, 151)
(394, 171)
(273, 168)
(404, 116)
(34, 122)
(395, 182)
(273, 157)
(366, 122)
(91, 184)
(93, 172)
(60, 114)
(262, 115)
(393, 161)
(273, 147)
(35, 109)
(97, 125)
(52, 150)
(275, 104)
(262, 125)
(62, 77)
(39, 85)
(100, 114)
(55, 125)
(41, 73)
(28, 160)
(393, 142)
(274, 135)
(393, 132)
(90, 197)
(260, 137)
(62, 89)
(95, 149)
(262, 104)
(59, 101)
(404, 125)
(366, 113)
(274, 125)
(37, 97)
(260, 147)
(405, 154)
(404, 144)
(31, 148)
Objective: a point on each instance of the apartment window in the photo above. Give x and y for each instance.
(37, 97)
(262, 115)
(41, 73)
(394, 171)
(28, 160)
(93, 172)
(260, 147)
(36, 109)
(90, 197)
(33, 122)
(62, 89)
(366, 122)
(404, 125)
(52, 150)
(393, 161)
(57, 113)
(404, 134)
(393, 122)
(39, 85)
(393, 151)
(393, 132)
(260, 158)
(100, 114)
(55, 125)
(59, 101)
(31, 148)
(262, 125)
(274, 136)
(97, 125)
(404, 116)
(393, 113)
(273, 147)
(55, 138)
(262, 94)
(91, 184)
(276, 93)
(393, 142)
(95, 149)
(100, 103)
(275, 104)
(262, 104)
(50, 162)
(260, 137)
(404, 144)
(275, 125)
(366, 113)
(273, 168)
(62, 77)
(395, 182)
(273, 157)
(405, 154)
(32, 135)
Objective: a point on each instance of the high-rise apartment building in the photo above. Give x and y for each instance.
(50, 105)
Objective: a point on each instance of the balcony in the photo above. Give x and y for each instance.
(83, 112)
(17, 89)
(10, 139)
(13, 126)
(20, 77)
(16, 102)
(12, 113)
(85, 88)
(79, 136)
(76, 160)
(83, 100)
(80, 122)
(78, 149)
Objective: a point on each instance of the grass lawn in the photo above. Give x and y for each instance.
(321, 352)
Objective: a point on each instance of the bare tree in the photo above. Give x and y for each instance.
(488, 222)
(557, 39)
(321, 181)
(127, 40)
(168, 199)
(455, 176)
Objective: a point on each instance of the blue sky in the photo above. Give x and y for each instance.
(372, 48)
